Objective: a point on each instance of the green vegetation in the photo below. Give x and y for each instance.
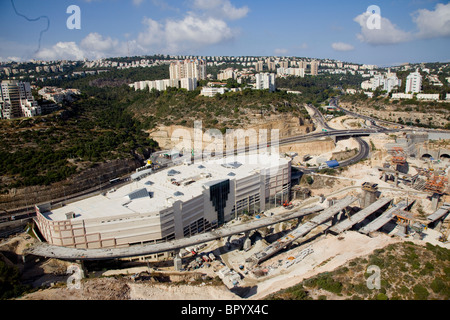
(408, 272)
(47, 149)
(316, 90)
(224, 111)
(10, 286)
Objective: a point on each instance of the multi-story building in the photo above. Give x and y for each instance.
(16, 100)
(171, 204)
(388, 84)
(188, 69)
(211, 91)
(162, 85)
(414, 83)
(377, 81)
(428, 96)
(298, 72)
(271, 65)
(402, 95)
(259, 66)
(189, 84)
(226, 74)
(391, 82)
(265, 81)
(314, 68)
(284, 64)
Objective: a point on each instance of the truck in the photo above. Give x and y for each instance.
(332, 164)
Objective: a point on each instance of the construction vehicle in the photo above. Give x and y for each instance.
(287, 205)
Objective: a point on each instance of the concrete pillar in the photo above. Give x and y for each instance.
(247, 244)
(404, 228)
(341, 215)
(438, 225)
(396, 180)
(329, 202)
(321, 198)
(177, 261)
(435, 202)
(368, 197)
(247, 241)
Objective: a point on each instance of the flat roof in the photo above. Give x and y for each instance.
(163, 189)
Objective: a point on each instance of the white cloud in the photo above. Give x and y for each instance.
(189, 33)
(204, 26)
(221, 9)
(281, 51)
(341, 46)
(61, 51)
(137, 2)
(11, 59)
(95, 46)
(153, 34)
(194, 31)
(389, 33)
(433, 24)
(95, 42)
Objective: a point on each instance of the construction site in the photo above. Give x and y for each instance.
(400, 193)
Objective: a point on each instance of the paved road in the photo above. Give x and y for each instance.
(364, 149)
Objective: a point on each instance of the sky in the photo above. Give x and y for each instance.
(391, 33)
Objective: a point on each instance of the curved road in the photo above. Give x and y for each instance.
(52, 251)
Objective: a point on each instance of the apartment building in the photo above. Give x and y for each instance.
(211, 91)
(265, 81)
(16, 100)
(414, 83)
(314, 68)
(226, 74)
(188, 69)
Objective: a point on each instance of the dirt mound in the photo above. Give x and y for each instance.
(140, 291)
(124, 289)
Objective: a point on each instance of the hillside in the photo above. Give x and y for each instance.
(227, 111)
(408, 272)
(427, 114)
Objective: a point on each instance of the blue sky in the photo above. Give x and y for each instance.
(411, 30)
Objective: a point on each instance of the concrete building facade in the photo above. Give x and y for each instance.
(188, 69)
(16, 100)
(171, 204)
(265, 81)
(414, 83)
(314, 68)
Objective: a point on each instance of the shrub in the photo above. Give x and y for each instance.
(382, 296)
(437, 285)
(420, 293)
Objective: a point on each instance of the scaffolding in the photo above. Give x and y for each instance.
(436, 184)
(398, 155)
